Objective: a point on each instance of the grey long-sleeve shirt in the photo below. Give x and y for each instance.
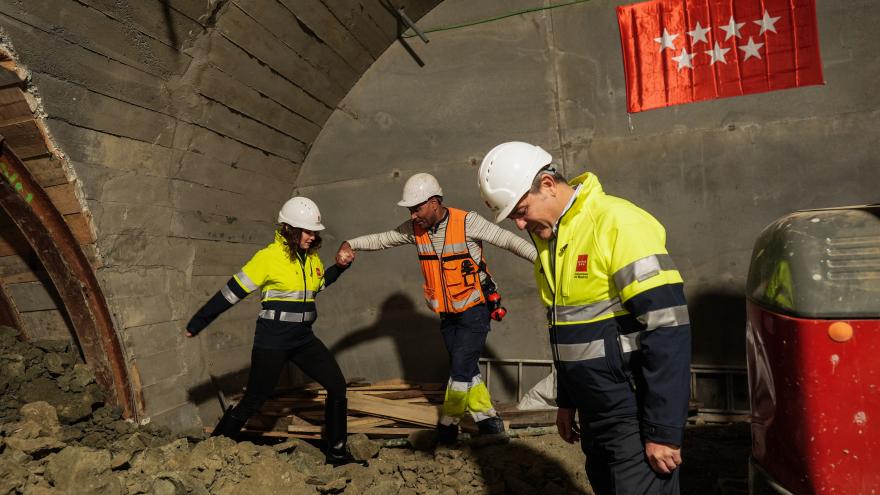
(477, 229)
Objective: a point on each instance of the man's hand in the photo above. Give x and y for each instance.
(188, 334)
(566, 425)
(663, 458)
(345, 255)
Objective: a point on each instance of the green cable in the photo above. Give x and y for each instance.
(492, 19)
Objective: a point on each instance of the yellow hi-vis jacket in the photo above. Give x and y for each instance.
(284, 285)
(452, 279)
(287, 288)
(619, 324)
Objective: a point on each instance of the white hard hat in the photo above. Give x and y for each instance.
(506, 175)
(418, 189)
(302, 213)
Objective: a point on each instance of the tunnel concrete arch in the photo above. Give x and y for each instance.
(187, 123)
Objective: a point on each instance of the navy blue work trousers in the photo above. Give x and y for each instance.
(616, 462)
(465, 336)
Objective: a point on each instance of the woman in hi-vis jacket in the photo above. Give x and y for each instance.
(289, 274)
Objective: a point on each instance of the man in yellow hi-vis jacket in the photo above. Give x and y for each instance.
(619, 325)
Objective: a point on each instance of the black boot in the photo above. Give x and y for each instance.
(447, 434)
(491, 426)
(336, 432)
(229, 425)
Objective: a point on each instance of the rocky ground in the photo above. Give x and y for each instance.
(57, 436)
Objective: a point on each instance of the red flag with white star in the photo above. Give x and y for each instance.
(681, 51)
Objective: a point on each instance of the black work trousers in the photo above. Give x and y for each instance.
(616, 462)
(312, 357)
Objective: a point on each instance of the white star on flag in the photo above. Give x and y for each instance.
(751, 48)
(767, 23)
(685, 59)
(666, 40)
(717, 54)
(732, 28)
(699, 34)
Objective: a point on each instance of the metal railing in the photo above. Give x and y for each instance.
(729, 374)
(487, 376)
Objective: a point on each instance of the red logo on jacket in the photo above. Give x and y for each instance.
(582, 263)
(317, 271)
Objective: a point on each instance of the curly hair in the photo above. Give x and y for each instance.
(292, 236)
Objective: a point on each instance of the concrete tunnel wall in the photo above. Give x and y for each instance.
(183, 124)
(714, 173)
(185, 141)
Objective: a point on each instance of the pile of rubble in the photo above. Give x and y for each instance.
(57, 436)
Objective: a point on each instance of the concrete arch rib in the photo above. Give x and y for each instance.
(31, 210)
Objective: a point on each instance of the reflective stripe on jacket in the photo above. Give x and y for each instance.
(284, 284)
(611, 289)
(452, 281)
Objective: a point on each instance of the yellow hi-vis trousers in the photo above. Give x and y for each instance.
(466, 397)
(464, 335)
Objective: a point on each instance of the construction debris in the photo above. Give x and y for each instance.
(382, 410)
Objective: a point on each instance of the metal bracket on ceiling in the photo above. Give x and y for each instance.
(410, 24)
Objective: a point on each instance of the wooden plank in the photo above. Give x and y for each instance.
(9, 78)
(64, 198)
(79, 225)
(47, 170)
(405, 394)
(522, 419)
(32, 296)
(353, 427)
(367, 430)
(15, 269)
(384, 408)
(25, 139)
(277, 434)
(16, 246)
(49, 324)
(13, 106)
(367, 421)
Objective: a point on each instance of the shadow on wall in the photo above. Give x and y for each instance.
(227, 384)
(718, 320)
(417, 342)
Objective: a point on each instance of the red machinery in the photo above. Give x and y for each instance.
(813, 352)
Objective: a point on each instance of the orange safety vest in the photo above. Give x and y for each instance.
(452, 281)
